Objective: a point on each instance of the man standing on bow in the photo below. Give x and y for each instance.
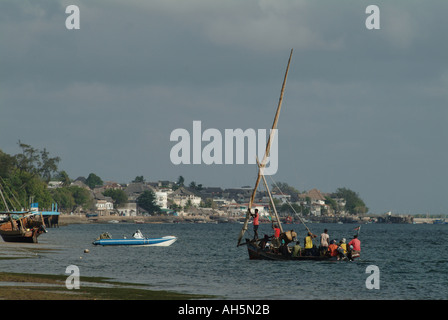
(256, 223)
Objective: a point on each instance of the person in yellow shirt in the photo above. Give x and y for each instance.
(342, 249)
(343, 245)
(309, 246)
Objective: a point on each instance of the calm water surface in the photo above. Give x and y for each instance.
(412, 259)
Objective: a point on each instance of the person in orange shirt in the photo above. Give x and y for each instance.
(333, 248)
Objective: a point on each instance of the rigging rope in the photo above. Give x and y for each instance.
(300, 217)
(4, 186)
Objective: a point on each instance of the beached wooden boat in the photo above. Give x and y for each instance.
(137, 240)
(22, 227)
(25, 225)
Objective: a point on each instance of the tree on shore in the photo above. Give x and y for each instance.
(24, 177)
(195, 188)
(64, 198)
(285, 188)
(68, 198)
(332, 203)
(147, 201)
(119, 196)
(93, 180)
(138, 179)
(354, 204)
(208, 203)
(64, 178)
(180, 181)
(36, 162)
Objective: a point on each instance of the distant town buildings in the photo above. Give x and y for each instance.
(231, 202)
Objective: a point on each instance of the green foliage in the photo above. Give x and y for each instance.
(188, 205)
(195, 188)
(7, 164)
(81, 196)
(93, 180)
(36, 162)
(68, 198)
(287, 208)
(180, 183)
(208, 203)
(119, 196)
(173, 206)
(64, 178)
(285, 188)
(354, 203)
(139, 179)
(332, 203)
(64, 198)
(24, 178)
(147, 201)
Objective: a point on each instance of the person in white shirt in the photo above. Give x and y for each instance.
(324, 242)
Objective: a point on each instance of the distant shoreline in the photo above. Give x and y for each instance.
(66, 219)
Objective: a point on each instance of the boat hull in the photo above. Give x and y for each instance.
(256, 253)
(146, 242)
(28, 237)
(11, 234)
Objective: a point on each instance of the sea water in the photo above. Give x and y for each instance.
(412, 261)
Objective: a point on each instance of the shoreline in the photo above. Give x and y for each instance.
(24, 286)
(66, 219)
(33, 286)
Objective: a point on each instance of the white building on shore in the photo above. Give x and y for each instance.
(162, 199)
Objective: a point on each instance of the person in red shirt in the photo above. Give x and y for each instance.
(276, 237)
(256, 223)
(355, 246)
(355, 243)
(276, 231)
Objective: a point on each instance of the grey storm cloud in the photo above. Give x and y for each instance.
(364, 109)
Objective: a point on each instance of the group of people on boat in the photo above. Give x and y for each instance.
(279, 243)
(340, 250)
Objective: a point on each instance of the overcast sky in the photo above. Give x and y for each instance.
(363, 109)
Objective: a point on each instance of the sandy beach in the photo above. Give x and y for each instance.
(20, 286)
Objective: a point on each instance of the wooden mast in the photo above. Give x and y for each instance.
(266, 154)
(277, 219)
